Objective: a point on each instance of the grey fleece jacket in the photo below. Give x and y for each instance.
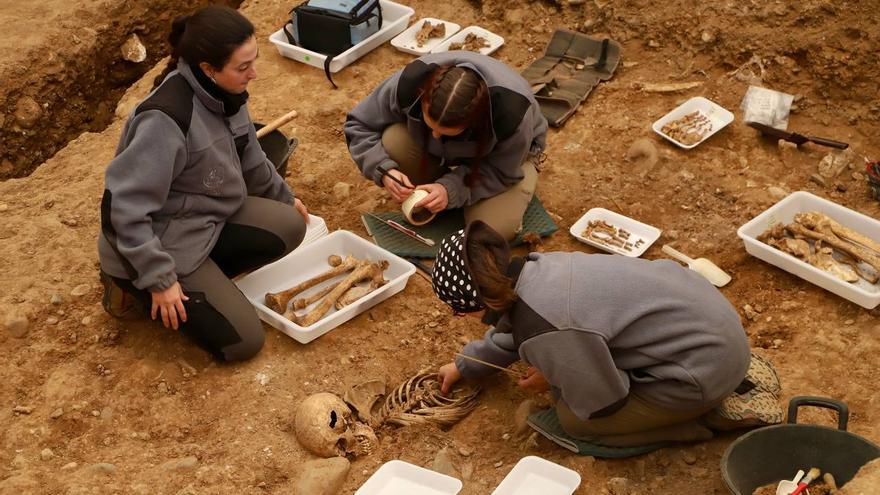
(519, 128)
(617, 326)
(182, 168)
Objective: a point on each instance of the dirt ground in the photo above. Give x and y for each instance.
(92, 405)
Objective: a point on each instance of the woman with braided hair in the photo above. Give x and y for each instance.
(462, 126)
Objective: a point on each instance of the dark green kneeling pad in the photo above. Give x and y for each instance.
(546, 422)
(536, 219)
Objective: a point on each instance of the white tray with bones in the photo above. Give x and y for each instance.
(312, 294)
(692, 122)
(421, 37)
(821, 242)
(614, 233)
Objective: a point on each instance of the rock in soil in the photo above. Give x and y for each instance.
(81, 290)
(181, 463)
(322, 476)
(17, 326)
(443, 463)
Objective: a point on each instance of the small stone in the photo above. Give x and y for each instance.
(818, 179)
(86, 321)
(653, 44)
(81, 290)
(432, 324)
(52, 320)
(22, 410)
(96, 413)
(182, 463)
(467, 470)
(162, 387)
(27, 112)
(69, 466)
(619, 486)
(498, 464)
(56, 299)
(689, 458)
(505, 437)
(777, 193)
(341, 190)
(855, 175)
(133, 50)
(47, 454)
(102, 468)
(786, 147)
(322, 476)
(707, 37)
(777, 343)
(57, 413)
(443, 463)
(464, 452)
(849, 322)
(17, 325)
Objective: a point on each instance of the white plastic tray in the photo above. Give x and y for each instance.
(308, 261)
(406, 41)
(394, 20)
(718, 115)
(402, 478)
(494, 40)
(862, 293)
(637, 230)
(534, 475)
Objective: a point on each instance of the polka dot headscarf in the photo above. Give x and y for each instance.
(451, 280)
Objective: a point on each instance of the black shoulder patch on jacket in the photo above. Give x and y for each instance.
(508, 110)
(174, 99)
(410, 83)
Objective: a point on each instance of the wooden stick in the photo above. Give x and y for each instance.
(275, 124)
(484, 363)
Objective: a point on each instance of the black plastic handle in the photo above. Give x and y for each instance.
(824, 402)
(829, 142)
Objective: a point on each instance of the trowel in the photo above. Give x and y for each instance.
(793, 137)
(704, 267)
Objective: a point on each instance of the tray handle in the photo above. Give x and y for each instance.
(823, 402)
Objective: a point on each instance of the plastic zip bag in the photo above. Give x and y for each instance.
(766, 106)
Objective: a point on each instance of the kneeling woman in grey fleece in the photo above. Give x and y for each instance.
(634, 351)
(190, 198)
(462, 126)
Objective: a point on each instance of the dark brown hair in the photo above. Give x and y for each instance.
(495, 287)
(459, 97)
(209, 34)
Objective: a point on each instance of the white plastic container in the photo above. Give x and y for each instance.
(406, 41)
(395, 17)
(862, 293)
(494, 40)
(717, 115)
(534, 475)
(402, 478)
(637, 230)
(311, 260)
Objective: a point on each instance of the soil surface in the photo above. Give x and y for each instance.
(94, 405)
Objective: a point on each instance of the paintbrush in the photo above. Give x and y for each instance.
(400, 228)
(386, 173)
(811, 475)
(484, 363)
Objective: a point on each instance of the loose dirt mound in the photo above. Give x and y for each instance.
(165, 419)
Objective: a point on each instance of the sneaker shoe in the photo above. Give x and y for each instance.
(117, 302)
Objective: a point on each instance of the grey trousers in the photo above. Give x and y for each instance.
(219, 316)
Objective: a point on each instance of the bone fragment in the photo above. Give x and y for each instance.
(364, 271)
(304, 302)
(334, 260)
(857, 252)
(278, 301)
(820, 222)
(666, 88)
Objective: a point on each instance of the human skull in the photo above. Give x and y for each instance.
(325, 426)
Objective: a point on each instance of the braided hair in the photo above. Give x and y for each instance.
(459, 97)
(210, 34)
